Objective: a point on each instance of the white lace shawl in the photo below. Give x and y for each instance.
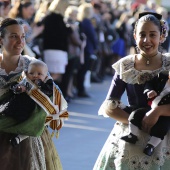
(125, 68)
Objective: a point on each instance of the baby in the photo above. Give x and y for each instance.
(158, 94)
(20, 106)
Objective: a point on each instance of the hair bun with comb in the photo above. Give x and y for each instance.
(158, 16)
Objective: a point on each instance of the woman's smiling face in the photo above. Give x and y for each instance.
(147, 37)
(14, 40)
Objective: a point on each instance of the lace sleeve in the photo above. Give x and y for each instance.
(108, 105)
(112, 101)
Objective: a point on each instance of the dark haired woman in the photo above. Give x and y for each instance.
(34, 153)
(131, 73)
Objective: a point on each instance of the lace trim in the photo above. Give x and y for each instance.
(22, 65)
(161, 153)
(117, 154)
(108, 105)
(125, 68)
(37, 152)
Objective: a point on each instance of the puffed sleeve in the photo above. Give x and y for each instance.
(117, 88)
(112, 101)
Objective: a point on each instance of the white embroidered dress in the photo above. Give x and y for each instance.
(117, 154)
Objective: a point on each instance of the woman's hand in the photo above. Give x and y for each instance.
(150, 120)
(153, 115)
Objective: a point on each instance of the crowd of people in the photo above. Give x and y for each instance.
(128, 41)
(78, 38)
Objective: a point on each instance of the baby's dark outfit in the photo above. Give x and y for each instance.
(20, 105)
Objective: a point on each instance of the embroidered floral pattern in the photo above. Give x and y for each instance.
(37, 152)
(131, 156)
(164, 28)
(125, 155)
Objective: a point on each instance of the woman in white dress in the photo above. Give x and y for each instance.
(131, 73)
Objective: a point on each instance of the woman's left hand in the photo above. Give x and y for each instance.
(149, 120)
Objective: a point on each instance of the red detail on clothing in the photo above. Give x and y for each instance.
(150, 101)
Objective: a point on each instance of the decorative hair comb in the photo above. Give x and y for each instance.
(158, 16)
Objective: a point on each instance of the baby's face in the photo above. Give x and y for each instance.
(37, 72)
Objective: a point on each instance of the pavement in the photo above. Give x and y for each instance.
(84, 133)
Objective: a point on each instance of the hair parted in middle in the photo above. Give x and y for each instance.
(156, 19)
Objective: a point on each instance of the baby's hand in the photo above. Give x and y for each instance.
(19, 89)
(38, 82)
(151, 94)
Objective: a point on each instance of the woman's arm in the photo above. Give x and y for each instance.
(153, 115)
(118, 114)
(111, 106)
(163, 110)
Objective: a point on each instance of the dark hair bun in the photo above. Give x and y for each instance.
(158, 16)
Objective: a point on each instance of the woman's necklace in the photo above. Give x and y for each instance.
(148, 58)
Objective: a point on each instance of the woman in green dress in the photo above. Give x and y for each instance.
(37, 152)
